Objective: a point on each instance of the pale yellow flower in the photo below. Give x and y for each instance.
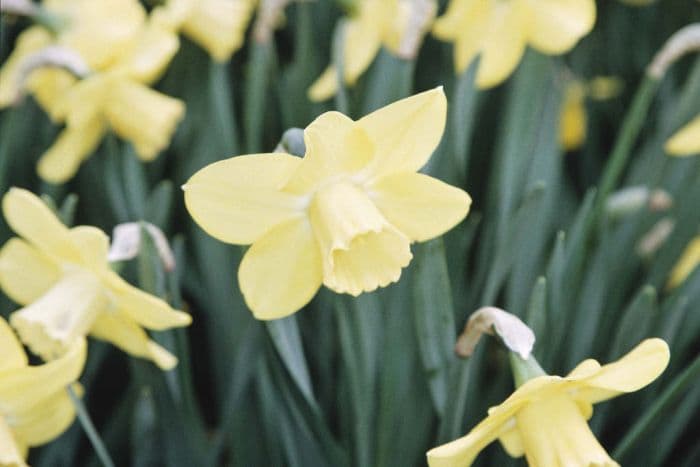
(96, 29)
(34, 404)
(377, 23)
(545, 418)
(686, 141)
(67, 289)
(573, 119)
(119, 99)
(690, 259)
(217, 25)
(499, 30)
(343, 216)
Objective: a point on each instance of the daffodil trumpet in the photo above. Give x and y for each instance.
(545, 419)
(342, 216)
(62, 279)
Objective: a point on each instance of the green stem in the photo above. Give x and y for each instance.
(524, 370)
(89, 428)
(667, 399)
(341, 96)
(631, 127)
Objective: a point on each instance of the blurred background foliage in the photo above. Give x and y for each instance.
(374, 380)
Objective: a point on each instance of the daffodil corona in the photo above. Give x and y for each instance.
(499, 30)
(343, 216)
(545, 419)
(66, 286)
(34, 404)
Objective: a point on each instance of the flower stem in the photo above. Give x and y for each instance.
(341, 96)
(524, 370)
(89, 428)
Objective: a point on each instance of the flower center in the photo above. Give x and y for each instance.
(360, 249)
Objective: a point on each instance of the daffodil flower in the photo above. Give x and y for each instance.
(377, 23)
(67, 289)
(573, 119)
(343, 216)
(690, 259)
(686, 141)
(34, 404)
(545, 419)
(217, 25)
(96, 29)
(499, 30)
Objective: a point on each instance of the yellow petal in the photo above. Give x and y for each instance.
(281, 272)
(31, 40)
(465, 24)
(13, 355)
(83, 103)
(503, 44)
(25, 273)
(690, 259)
(573, 120)
(142, 116)
(48, 86)
(555, 26)
(362, 40)
(420, 206)
(219, 25)
(360, 249)
(128, 336)
(73, 145)
(512, 441)
(325, 86)
(44, 421)
(632, 372)
(686, 141)
(52, 324)
(93, 244)
(144, 308)
(406, 133)
(237, 200)
(31, 219)
(463, 451)
(22, 389)
(10, 453)
(171, 14)
(335, 145)
(151, 54)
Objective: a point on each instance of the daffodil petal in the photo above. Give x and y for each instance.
(13, 355)
(420, 206)
(463, 451)
(45, 420)
(325, 86)
(128, 336)
(512, 441)
(687, 141)
(406, 133)
(219, 25)
(143, 116)
(23, 388)
(145, 309)
(48, 86)
(25, 273)
(555, 26)
(464, 23)
(632, 372)
(31, 40)
(335, 145)
(237, 200)
(10, 452)
(503, 46)
(689, 260)
(93, 244)
(573, 120)
(31, 219)
(281, 272)
(151, 54)
(361, 44)
(74, 144)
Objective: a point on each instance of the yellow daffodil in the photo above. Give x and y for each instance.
(62, 279)
(690, 259)
(217, 25)
(686, 141)
(343, 216)
(573, 120)
(545, 418)
(377, 23)
(119, 99)
(96, 29)
(499, 30)
(34, 404)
